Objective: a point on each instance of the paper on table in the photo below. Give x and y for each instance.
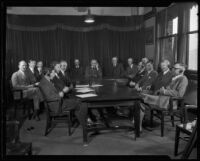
(82, 86)
(86, 95)
(84, 90)
(96, 85)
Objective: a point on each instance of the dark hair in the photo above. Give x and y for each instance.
(46, 71)
(53, 64)
(150, 61)
(30, 60)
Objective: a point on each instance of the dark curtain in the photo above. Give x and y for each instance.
(46, 38)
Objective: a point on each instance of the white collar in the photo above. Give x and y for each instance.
(62, 72)
(165, 71)
(131, 66)
(32, 69)
(76, 66)
(174, 78)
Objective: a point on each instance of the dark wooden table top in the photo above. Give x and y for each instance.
(112, 90)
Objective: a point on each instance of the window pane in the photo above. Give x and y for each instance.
(193, 49)
(194, 18)
(172, 26)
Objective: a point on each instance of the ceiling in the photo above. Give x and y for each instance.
(101, 11)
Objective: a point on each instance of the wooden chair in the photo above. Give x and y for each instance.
(162, 113)
(53, 118)
(13, 144)
(191, 144)
(26, 103)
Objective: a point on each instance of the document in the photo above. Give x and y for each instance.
(84, 90)
(86, 95)
(97, 85)
(82, 86)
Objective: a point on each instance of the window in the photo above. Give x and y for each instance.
(193, 39)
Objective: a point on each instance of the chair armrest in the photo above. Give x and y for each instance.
(191, 106)
(55, 100)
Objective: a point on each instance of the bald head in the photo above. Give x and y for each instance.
(22, 65)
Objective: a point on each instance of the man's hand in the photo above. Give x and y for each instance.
(66, 89)
(37, 83)
(148, 87)
(61, 94)
(132, 83)
(137, 86)
(162, 90)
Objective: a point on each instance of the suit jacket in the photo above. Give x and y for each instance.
(148, 79)
(131, 71)
(162, 81)
(30, 76)
(91, 73)
(117, 72)
(139, 75)
(58, 83)
(177, 87)
(77, 73)
(19, 81)
(65, 78)
(50, 93)
(38, 75)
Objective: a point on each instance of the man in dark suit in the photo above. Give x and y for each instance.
(39, 71)
(164, 78)
(77, 71)
(93, 72)
(20, 81)
(140, 73)
(63, 74)
(146, 82)
(30, 72)
(58, 83)
(52, 94)
(131, 69)
(117, 70)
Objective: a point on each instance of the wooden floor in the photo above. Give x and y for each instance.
(106, 143)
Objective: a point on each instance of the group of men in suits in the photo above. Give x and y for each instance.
(56, 83)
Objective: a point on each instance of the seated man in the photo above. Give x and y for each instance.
(57, 81)
(176, 88)
(117, 70)
(140, 73)
(164, 77)
(30, 72)
(131, 70)
(63, 74)
(145, 60)
(150, 76)
(51, 93)
(93, 72)
(77, 71)
(39, 71)
(20, 81)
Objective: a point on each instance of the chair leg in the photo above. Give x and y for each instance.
(69, 123)
(162, 124)
(176, 141)
(47, 125)
(172, 120)
(151, 118)
(15, 110)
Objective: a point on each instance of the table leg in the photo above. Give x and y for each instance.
(83, 121)
(136, 114)
(177, 134)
